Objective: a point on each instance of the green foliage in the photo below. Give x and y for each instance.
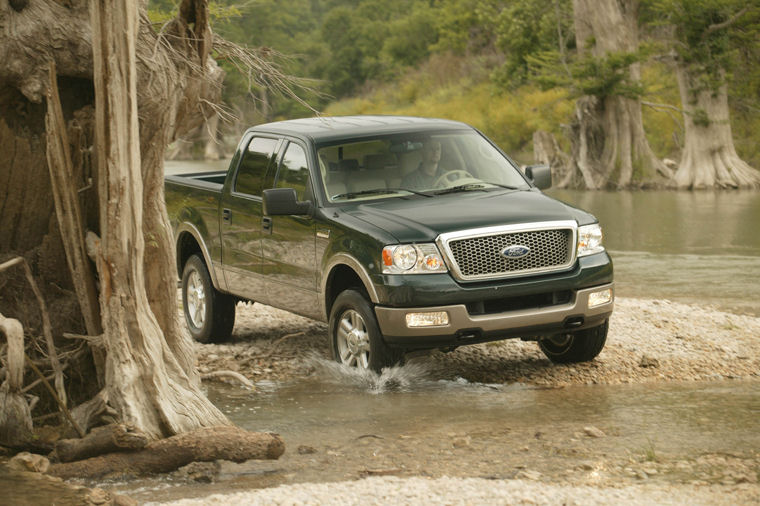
(700, 118)
(609, 75)
(508, 67)
(525, 30)
(709, 35)
(161, 11)
(450, 86)
(663, 125)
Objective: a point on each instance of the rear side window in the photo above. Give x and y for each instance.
(294, 172)
(253, 165)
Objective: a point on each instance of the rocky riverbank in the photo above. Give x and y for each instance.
(649, 340)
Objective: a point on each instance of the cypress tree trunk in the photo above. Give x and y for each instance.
(709, 158)
(610, 147)
(145, 382)
(150, 377)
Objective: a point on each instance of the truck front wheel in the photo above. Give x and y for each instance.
(355, 338)
(580, 346)
(210, 315)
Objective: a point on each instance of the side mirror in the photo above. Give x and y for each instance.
(541, 175)
(283, 201)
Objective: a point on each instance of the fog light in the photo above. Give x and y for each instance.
(432, 319)
(599, 298)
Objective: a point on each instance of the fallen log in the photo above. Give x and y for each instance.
(107, 439)
(166, 455)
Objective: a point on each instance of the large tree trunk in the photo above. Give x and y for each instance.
(709, 158)
(151, 379)
(610, 147)
(145, 382)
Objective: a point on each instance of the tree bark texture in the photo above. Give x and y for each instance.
(546, 150)
(145, 381)
(610, 147)
(15, 416)
(709, 158)
(172, 88)
(70, 217)
(101, 440)
(202, 445)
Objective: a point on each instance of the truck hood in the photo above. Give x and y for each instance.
(419, 219)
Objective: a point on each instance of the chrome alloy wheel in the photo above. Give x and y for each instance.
(196, 299)
(353, 340)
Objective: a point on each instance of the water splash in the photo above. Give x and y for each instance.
(399, 378)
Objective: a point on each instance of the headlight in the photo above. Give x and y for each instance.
(589, 240)
(412, 259)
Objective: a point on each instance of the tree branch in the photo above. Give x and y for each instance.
(730, 21)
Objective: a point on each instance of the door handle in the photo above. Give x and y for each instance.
(266, 223)
(226, 215)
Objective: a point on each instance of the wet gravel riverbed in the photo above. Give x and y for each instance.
(588, 458)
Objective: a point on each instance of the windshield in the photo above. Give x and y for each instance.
(408, 164)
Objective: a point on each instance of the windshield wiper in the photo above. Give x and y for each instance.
(376, 191)
(505, 186)
(461, 188)
(473, 186)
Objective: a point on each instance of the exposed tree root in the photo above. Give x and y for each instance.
(101, 440)
(165, 455)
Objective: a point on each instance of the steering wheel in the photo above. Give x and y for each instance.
(448, 179)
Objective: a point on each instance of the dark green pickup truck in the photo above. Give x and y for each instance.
(402, 233)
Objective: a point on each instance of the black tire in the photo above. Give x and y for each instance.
(580, 346)
(209, 314)
(355, 338)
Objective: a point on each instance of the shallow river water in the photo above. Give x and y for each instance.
(408, 424)
(696, 247)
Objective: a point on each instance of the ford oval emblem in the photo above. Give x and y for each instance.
(516, 251)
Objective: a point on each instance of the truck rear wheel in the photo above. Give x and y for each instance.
(580, 346)
(355, 338)
(210, 315)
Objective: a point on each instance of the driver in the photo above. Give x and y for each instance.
(428, 170)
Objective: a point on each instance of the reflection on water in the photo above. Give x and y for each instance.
(669, 222)
(701, 247)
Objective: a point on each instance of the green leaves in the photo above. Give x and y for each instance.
(599, 76)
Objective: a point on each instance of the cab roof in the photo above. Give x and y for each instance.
(338, 127)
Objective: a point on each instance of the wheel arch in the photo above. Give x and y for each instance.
(345, 271)
(190, 242)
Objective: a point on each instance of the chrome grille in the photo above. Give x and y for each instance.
(479, 257)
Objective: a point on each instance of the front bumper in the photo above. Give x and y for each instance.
(464, 328)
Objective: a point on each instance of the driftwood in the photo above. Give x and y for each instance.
(46, 327)
(165, 455)
(229, 374)
(101, 440)
(15, 415)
